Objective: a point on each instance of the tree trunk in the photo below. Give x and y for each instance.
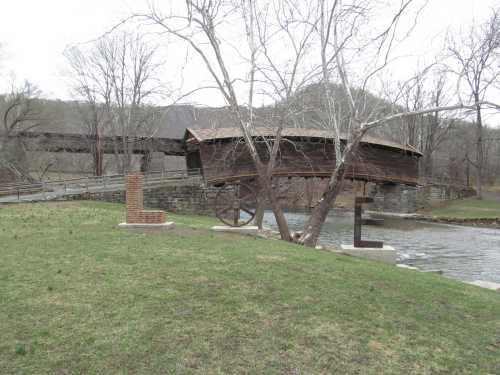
(146, 161)
(467, 169)
(97, 155)
(267, 188)
(479, 151)
(259, 212)
(429, 148)
(318, 216)
(319, 213)
(309, 192)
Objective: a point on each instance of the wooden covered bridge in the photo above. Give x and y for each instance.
(224, 161)
(222, 156)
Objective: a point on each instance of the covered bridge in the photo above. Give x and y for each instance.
(222, 156)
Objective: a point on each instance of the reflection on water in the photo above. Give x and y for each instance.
(465, 253)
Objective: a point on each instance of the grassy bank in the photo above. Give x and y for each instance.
(78, 296)
(470, 208)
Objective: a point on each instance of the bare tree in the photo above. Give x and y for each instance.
(116, 77)
(264, 23)
(341, 25)
(435, 128)
(339, 33)
(19, 111)
(428, 88)
(412, 99)
(91, 84)
(474, 58)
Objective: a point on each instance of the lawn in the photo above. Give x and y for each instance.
(79, 296)
(470, 208)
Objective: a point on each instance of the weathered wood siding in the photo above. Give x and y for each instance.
(226, 160)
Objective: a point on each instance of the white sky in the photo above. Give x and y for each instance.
(34, 33)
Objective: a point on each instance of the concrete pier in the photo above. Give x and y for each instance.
(386, 254)
(162, 226)
(252, 230)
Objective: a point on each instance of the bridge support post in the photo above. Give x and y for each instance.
(391, 197)
(374, 250)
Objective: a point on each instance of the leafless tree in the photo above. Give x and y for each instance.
(341, 25)
(339, 32)
(474, 58)
(115, 78)
(19, 111)
(264, 23)
(435, 127)
(428, 88)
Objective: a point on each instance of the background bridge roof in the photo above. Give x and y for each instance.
(202, 135)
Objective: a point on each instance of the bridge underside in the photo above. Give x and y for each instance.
(81, 143)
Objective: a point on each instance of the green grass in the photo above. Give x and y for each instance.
(470, 208)
(79, 296)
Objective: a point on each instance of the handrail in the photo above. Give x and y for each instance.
(76, 185)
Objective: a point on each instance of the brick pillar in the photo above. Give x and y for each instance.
(135, 198)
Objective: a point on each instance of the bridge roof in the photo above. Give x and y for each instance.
(203, 135)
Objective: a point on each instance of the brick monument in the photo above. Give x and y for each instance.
(137, 217)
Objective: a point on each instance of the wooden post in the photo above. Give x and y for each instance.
(358, 221)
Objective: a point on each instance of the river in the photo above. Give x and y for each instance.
(460, 252)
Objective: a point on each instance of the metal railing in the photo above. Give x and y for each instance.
(73, 186)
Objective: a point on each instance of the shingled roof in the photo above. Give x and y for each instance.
(203, 135)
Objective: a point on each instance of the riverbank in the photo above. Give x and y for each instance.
(470, 208)
(487, 222)
(80, 295)
(469, 212)
(470, 222)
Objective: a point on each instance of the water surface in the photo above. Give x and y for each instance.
(465, 253)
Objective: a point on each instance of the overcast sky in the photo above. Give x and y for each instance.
(34, 33)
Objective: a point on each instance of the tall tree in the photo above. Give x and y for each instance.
(19, 111)
(428, 88)
(474, 57)
(325, 42)
(343, 25)
(116, 78)
(268, 26)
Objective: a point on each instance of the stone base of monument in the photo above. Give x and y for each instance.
(485, 284)
(162, 226)
(386, 254)
(239, 230)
